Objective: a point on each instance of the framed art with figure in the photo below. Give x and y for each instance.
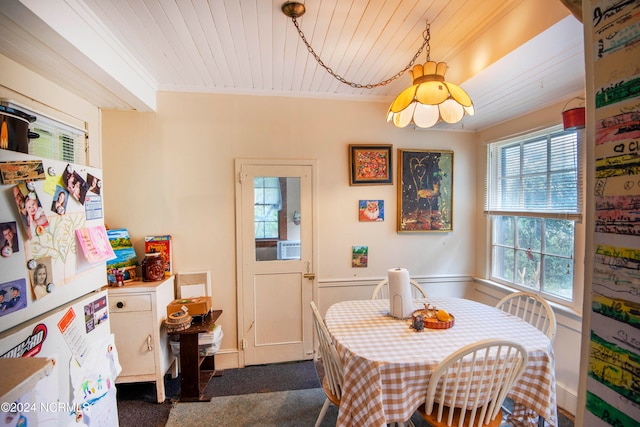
(370, 164)
(425, 190)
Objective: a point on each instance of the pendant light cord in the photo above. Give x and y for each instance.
(426, 35)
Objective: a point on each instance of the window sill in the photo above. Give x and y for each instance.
(266, 243)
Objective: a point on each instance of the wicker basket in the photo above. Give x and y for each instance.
(177, 321)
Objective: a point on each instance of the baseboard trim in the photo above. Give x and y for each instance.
(227, 359)
(566, 399)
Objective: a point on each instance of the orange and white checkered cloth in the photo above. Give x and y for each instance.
(387, 364)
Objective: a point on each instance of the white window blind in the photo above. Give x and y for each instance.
(537, 173)
(58, 141)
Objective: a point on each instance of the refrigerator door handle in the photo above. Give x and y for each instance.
(149, 346)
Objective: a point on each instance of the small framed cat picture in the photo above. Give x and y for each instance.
(371, 210)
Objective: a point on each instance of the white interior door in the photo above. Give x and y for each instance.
(275, 227)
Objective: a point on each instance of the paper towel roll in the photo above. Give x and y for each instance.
(400, 299)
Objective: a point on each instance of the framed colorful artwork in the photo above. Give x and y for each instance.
(425, 190)
(359, 256)
(370, 164)
(371, 210)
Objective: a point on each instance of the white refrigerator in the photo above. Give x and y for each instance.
(52, 270)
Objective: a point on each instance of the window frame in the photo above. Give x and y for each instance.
(579, 233)
(542, 253)
(282, 221)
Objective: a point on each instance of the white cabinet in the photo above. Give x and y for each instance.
(138, 310)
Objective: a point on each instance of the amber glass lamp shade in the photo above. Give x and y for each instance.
(430, 99)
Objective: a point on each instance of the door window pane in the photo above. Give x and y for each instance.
(277, 218)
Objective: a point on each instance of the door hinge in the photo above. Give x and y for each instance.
(241, 177)
(244, 344)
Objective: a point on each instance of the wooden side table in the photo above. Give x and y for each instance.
(196, 370)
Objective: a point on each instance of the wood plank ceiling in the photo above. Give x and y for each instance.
(511, 56)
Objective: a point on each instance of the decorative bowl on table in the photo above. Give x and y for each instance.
(431, 318)
(177, 321)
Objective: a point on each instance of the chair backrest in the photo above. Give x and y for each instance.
(193, 284)
(330, 358)
(533, 309)
(476, 377)
(381, 290)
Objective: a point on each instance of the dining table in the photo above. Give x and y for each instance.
(387, 363)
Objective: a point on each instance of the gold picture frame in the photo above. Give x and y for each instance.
(370, 164)
(425, 190)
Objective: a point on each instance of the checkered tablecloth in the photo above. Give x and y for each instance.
(387, 364)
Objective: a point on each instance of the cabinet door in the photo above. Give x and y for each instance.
(134, 341)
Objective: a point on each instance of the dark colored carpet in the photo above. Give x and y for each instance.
(265, 379)
(137, 401)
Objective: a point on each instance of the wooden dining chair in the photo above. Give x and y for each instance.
(381, 291)
(532, 308)
(476, 377)
(331, 363)
(332, 367)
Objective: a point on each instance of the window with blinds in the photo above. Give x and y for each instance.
(539, 173)
(534, 196)
(58, 141)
